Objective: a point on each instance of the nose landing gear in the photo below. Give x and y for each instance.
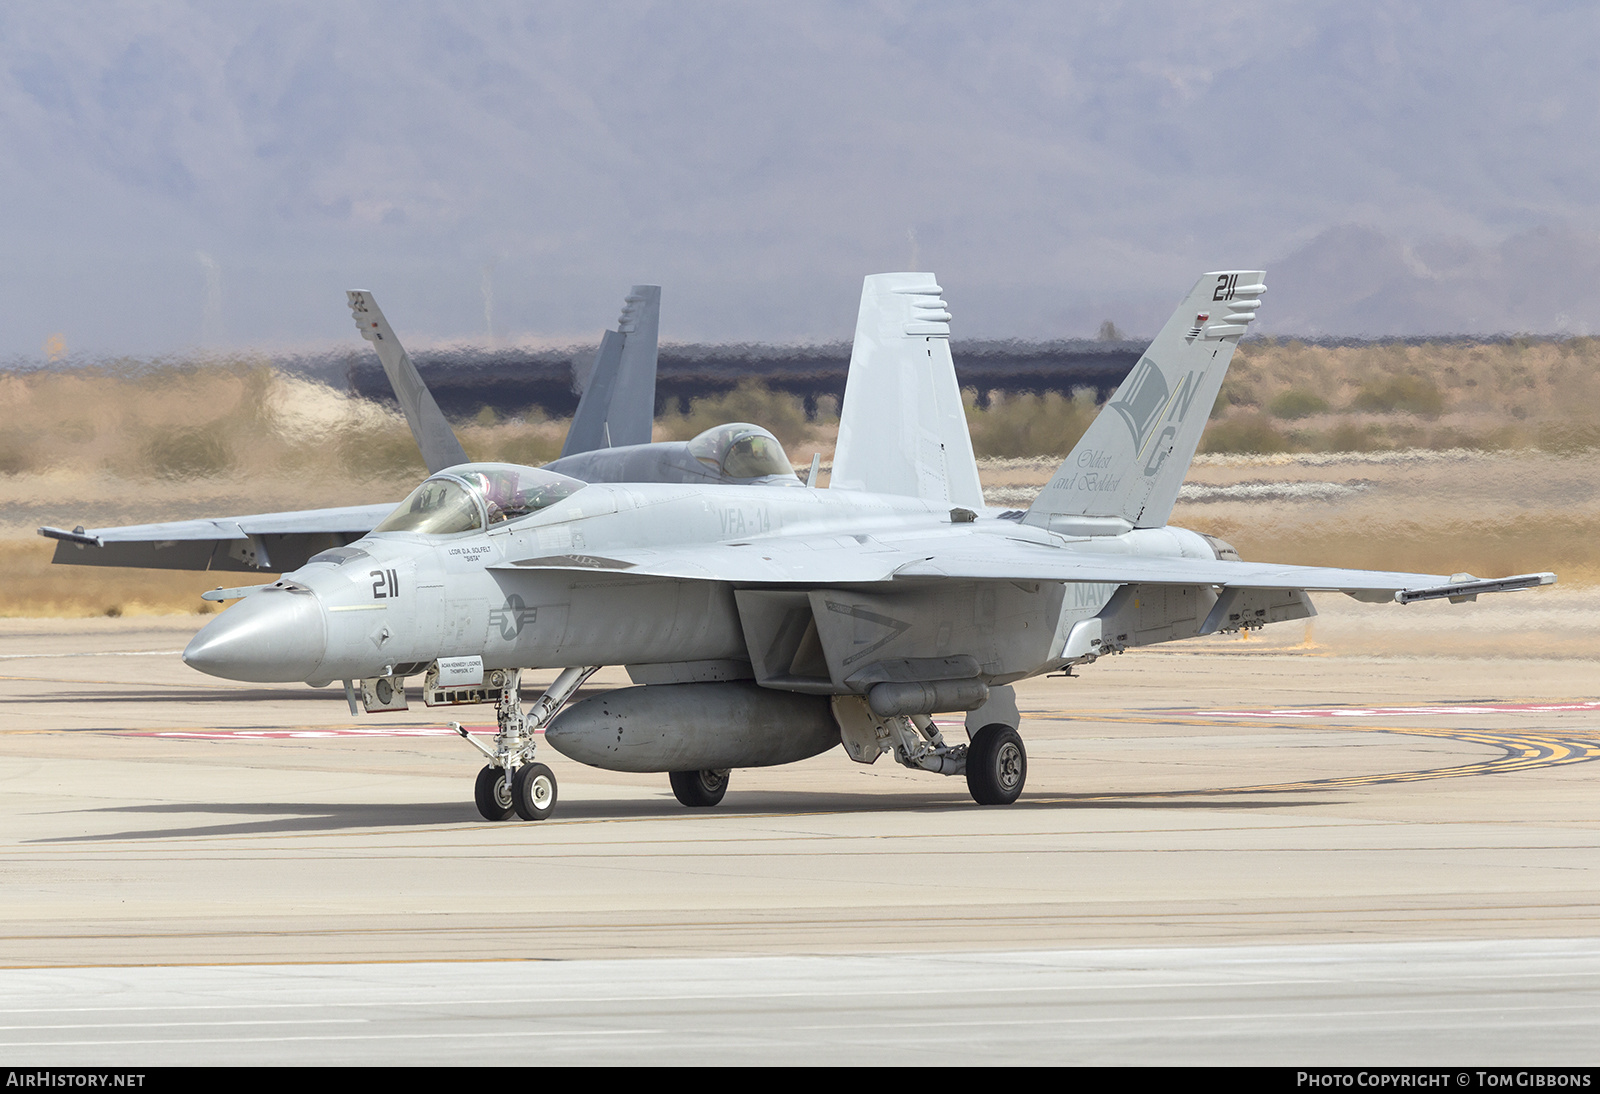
(512, 782)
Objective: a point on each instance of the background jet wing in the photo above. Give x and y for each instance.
(259, 541)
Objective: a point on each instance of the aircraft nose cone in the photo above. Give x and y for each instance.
(267, 637)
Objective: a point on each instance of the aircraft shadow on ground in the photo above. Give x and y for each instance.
(283, 818)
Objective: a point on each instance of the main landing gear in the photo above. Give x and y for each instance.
(997, 765)
(512, 782)
(699, 789)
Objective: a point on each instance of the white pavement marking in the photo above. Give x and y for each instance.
(1458, 1003)
(1583, 706)
(103, 653)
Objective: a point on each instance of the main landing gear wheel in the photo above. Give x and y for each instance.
(494, 801)
(699, 789)
(997, 765)
(533, 791)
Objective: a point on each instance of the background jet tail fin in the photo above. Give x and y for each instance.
(618, 406)
(902, 428)
(1135, 454)
(440, 448)
(588, 429)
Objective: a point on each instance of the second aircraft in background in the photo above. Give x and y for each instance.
(608, 441)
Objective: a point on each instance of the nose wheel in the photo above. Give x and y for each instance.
(533, 791)
(493, 797)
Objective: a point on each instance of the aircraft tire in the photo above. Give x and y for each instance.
(490, 793)
(533, 792)
(997, 765)
(699, 789)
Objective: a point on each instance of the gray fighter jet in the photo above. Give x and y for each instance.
(608, 441)
(763, 626)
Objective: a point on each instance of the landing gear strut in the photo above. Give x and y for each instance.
(995, 763)
(513, 783)
(912, 739)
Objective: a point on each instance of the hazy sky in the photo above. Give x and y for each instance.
(182, 174)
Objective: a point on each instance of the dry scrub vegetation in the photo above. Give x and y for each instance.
(142, 441)
(1287, 396)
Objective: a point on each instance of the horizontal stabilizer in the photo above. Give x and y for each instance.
(440, 448)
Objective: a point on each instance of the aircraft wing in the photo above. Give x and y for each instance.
(849, 560)
(799, 561)
(261, 541)
(1051, 564)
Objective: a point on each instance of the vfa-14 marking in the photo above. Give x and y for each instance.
(765, 625)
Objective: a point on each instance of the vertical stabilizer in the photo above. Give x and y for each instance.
(588, 429)
(1136, 453)
(902, 428)
(619, 404)
(440, 448)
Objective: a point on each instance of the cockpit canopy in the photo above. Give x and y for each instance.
(740, 450)
(477, 495)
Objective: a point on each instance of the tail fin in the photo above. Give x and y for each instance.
(440, 448)
(902, 429)
(1133, 458)
(619, 402)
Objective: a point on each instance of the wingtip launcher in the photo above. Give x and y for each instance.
(77, 535)
(1457, 591)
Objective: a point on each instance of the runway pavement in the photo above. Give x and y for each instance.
(1447, 1004)
(1395, 780)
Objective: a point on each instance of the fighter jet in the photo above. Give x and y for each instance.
(764, 626)
(608, 441)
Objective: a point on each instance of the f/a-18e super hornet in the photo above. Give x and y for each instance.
(763, 626)
(608, 441)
